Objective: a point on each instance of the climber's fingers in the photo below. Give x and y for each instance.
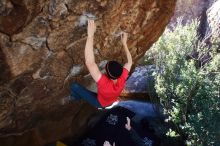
(124, 37)
(91, 22)
(91, 27)
(128, 120)
(106, 143)
(128, 124)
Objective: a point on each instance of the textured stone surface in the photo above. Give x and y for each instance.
(140, 80)
(214, 18)
(42, 51)
(189, 10)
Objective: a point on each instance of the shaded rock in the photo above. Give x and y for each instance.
(5, 7)
(21, 57)
(58, 123)
(17, 14)
(7, 108)
(5, 74)
(140, 80)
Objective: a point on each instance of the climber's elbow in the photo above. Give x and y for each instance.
(89, 63)
(130, 62)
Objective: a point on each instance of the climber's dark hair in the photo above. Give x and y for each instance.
(113, 69)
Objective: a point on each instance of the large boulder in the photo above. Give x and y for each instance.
(42, 51)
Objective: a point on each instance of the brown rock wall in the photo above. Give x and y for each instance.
(42, 50)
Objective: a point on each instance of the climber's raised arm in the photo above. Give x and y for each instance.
(89, 53)
(124, 38)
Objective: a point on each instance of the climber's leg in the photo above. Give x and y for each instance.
(144, 109)
(80, 92)
(74, 88)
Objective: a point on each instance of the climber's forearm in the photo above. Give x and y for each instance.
(89, 54)
(90, 60)
(129, 57)
(128, 54)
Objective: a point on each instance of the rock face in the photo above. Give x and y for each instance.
(206, 11)
(42, 51)
(140, 80)
(214, 18)
(189, 10)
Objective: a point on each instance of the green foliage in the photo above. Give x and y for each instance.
(187, 82)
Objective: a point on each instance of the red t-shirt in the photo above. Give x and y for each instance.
(108, 91)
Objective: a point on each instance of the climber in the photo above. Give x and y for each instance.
(109, 84)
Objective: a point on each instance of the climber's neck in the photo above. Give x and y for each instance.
(115, 81)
